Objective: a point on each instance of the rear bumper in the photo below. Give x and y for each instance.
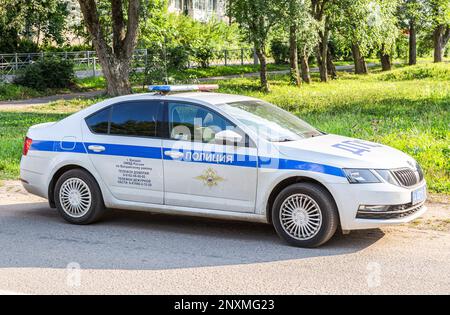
(350, 197)
(33, 182)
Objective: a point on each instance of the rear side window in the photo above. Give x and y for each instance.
(99, 122)
(140, 119)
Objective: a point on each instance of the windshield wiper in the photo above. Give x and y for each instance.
(282, 140)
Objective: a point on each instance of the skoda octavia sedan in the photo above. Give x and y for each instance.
(222, 156)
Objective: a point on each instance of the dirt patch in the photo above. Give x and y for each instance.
(12, 191)
(437, 218)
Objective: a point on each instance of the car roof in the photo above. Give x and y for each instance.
(207, 97)
(211, 98)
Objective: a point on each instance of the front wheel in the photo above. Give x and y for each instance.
(305, 215)
(78, 197)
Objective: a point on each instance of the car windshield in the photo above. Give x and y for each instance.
(269, 121)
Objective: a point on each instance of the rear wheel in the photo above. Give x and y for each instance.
(305, 215)
(78, 197)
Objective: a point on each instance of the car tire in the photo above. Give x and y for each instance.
(78, 197)
(305, 215)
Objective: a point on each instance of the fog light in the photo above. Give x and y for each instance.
(373, 208)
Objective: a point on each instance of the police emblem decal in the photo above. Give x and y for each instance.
(210, 177)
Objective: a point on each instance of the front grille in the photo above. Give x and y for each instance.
(408, 177)
(393, 212)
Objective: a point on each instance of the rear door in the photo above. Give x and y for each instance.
(124, 144)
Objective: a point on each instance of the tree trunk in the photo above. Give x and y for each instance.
(331, 68)
(318, 9)
(386, 64)
(116, 73)
(293, 56)
(306, 77)
(412, 42)
(115, 59)
(322, 54)
(260, 52)
(441, 36)
(360, 63)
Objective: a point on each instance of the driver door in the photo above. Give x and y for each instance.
(201, 172)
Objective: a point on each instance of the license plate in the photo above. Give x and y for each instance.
(419, 195)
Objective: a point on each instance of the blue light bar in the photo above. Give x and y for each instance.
(182, 88)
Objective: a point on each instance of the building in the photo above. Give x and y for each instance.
(75, 16)
(201, 10)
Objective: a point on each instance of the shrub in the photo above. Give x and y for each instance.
(27, 46)
(47, 73)
(279, 51)
(177, 57)
(203, 56)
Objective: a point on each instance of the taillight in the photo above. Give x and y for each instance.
(26, 145)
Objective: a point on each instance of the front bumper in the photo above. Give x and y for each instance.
(349, 197)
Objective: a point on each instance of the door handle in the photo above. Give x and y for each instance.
(174, 154)
(96, 148)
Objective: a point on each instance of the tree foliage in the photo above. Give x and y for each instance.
(369, 24)
(181, 35)
(257, 18)
(33, 21)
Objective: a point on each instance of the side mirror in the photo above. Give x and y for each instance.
(228, 136)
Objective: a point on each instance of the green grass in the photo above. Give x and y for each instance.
(13, 92)
(9, 91)
(403, 108)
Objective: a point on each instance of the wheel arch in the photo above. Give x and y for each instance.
(288, 182)
(63, 169)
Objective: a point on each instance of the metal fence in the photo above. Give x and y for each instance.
(86, 62)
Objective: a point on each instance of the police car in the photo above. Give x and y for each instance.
(201, 153)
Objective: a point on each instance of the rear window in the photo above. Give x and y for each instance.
(140, 119)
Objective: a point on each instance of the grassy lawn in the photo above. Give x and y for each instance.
(407, 108)
(10, 91)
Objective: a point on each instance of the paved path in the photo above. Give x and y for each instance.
(131, 252)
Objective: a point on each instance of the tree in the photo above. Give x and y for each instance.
(32, 20)
(318, 12)
(257, 18)
(365, 25)
(440, 12)
(386, 32)
(412, 16)
(298, 22)
(307, 37)
(114, 54)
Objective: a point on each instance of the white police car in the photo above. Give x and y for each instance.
(218, 156)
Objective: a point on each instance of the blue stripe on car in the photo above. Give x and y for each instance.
(155, 153)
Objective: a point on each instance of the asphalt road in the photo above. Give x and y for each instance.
(132, 252)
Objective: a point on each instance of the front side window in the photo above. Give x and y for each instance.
(190, 122)
(269, 121)
(140, 119)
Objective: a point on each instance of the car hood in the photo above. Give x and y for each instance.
(345, 152)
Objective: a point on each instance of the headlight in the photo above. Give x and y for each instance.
(387, 176)
(360, 176)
